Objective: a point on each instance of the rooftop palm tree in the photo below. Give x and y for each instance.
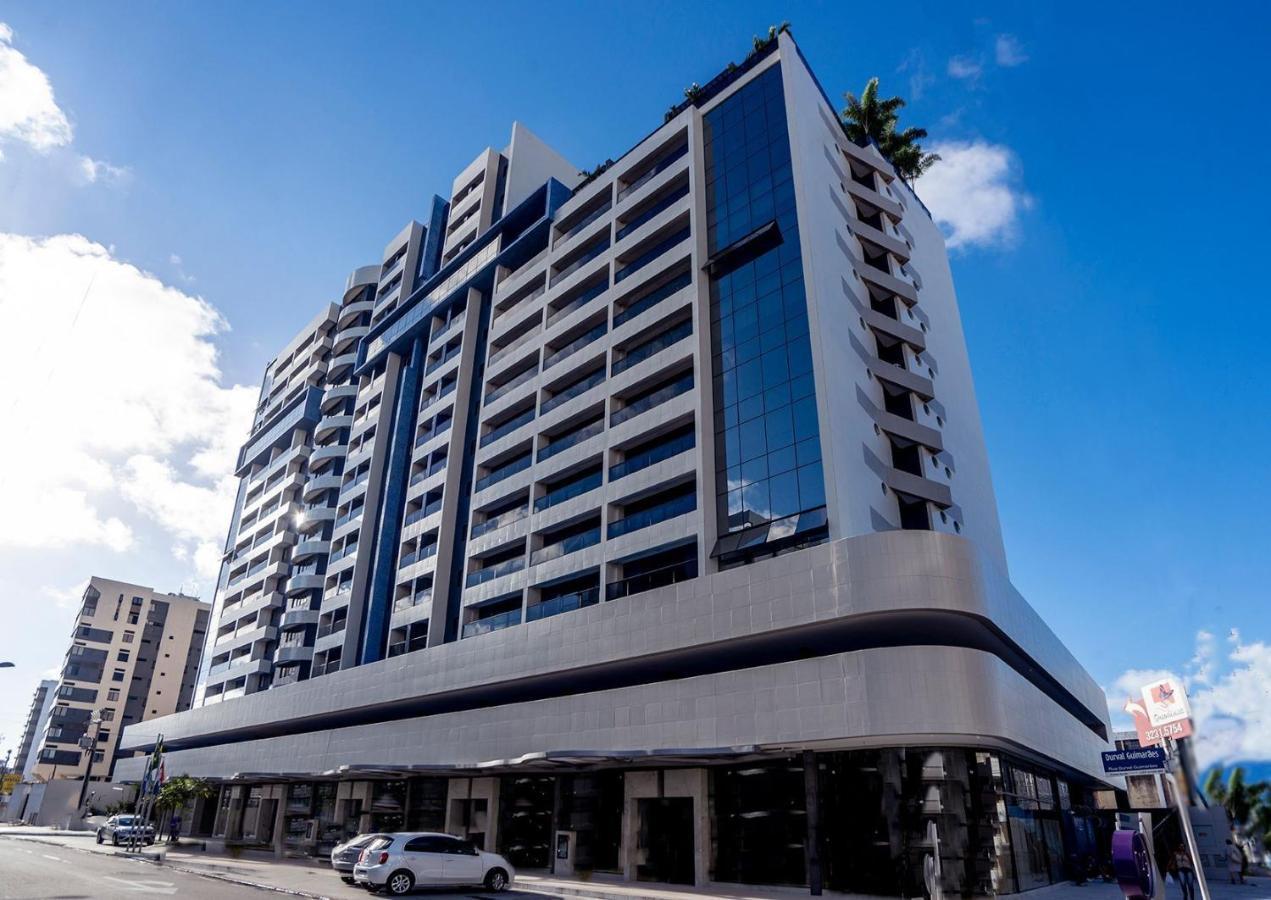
(873, 118)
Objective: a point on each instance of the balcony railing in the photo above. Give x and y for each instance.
(574, 390)
(563, 603)
(518, 341)
(507, 470)
(572, 439)
(507, 567)
(416, 599)
(653, 455)
(497, 392)
(426, 552)
(507, 427)
(420, 514)
(669, 509)
(647, 581)
(653, 298)
(651, 213)
(649, 401)
(492, 623)
(654, 171)
(571, 544)
(568, 492)
(641, 352)
(578, 343)
(580, 301)
(504, 518)
(587, 256)
(583, 222)
(651, 254)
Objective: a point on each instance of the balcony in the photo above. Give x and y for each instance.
(569, 491)
(653, 252)
(507, 567)
(420, 514)
(642, 460)
(502, 519)
(507, 470)
(652, 299)
(492, 623)
(578, 343)
(647, 581)
(495, 393)
(426, 552)
(652, 211)
(586, 256)
(419, 598)
(640, 352)
(654, 171)
(507, 427)
(563, 603)
(571, 544)
(669, 509)
(577, 389)
(579, 301)
(571, 439)
(582, 223)
(681, 385)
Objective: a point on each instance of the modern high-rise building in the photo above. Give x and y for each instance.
(134, 655)
(36, 722)
(640, 520)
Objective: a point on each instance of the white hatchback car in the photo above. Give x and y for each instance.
(398, 863)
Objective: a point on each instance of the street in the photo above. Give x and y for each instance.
(70, 868)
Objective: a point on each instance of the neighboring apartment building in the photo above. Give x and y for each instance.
(36, 722)
(134, 655)
(650, 509)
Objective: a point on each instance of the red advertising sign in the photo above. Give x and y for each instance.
(1149, 734)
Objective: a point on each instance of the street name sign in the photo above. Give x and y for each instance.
(1140, 761)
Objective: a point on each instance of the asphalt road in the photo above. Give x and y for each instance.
(38, 870)
(31, 870)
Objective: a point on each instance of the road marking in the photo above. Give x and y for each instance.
(54, 858)
(144, 887)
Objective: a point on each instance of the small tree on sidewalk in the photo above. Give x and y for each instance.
(179, 792)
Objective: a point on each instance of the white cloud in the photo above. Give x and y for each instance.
(28, 112)
(66, 598)
(1008, 51)
(965, 68)
(973, 193)
(1230, 699)
(95, 170)
(919, 78)
(121, 415)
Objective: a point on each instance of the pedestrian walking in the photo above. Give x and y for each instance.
(1235, 863)
(174, 828)
(1185, 872)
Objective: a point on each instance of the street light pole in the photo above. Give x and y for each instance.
(90, 745)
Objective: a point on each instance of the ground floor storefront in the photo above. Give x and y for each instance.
(861, 821)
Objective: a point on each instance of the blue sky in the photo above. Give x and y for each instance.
(1105, 192)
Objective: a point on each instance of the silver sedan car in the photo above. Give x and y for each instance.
(398, 863)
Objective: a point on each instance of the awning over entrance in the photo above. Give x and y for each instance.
(547, 761)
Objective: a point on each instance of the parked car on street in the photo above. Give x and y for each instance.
(345, 856)
(122, 829)
(398, 863)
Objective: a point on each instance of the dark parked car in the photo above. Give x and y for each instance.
(344, 857)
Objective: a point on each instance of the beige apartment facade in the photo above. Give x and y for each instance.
(134, 655)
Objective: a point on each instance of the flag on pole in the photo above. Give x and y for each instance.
(153, 777)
